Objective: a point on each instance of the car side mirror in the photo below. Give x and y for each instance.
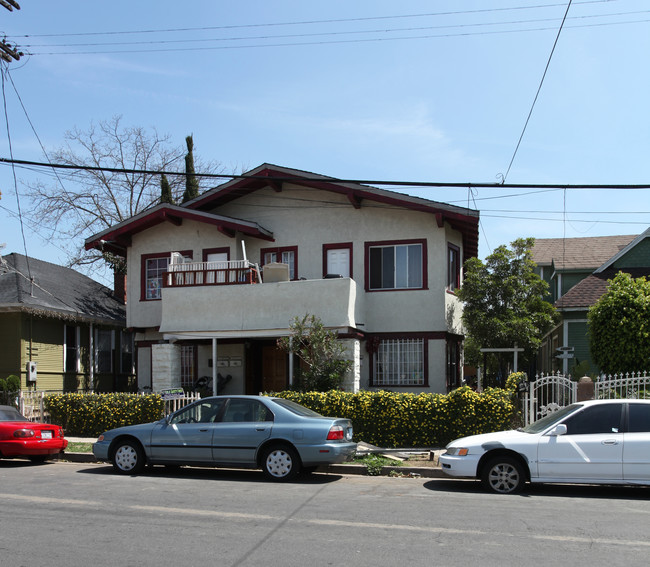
(559, 429)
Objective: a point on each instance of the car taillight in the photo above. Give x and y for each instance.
(336, 433)
(23, 433)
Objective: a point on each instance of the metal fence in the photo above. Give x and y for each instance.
(549, 393)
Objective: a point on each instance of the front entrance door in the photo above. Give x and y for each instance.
(274, 369)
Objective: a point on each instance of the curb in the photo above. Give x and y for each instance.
(400, 472)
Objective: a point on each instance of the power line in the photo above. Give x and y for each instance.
(306, 178)
(312, 22)
(548, 63)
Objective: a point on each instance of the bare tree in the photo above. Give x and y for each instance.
(85, 202)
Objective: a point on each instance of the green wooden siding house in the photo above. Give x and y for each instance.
(61, 330)
(577, 271)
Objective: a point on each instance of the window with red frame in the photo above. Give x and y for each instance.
(287, 255)
(453, 267)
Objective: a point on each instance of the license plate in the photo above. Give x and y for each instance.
(46, 435)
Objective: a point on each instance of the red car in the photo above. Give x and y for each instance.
(19, 437)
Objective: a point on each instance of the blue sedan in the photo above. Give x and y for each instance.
(279, 436)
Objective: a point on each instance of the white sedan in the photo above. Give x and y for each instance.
(596, 442)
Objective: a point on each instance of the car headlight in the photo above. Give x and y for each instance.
(457, 451)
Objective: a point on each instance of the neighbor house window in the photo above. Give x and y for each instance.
(453, 267)
(399, 265)
(71, 350)
(399, 362)
(104, 347)
(287, 255)
(126, 353)
(152, 270)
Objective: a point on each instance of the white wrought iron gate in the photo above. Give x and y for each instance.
(547, 394)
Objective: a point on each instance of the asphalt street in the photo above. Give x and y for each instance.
(79, 514)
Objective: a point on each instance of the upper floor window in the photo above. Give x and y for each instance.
(286, 255)
(453, 267)
(399, 265)
(153, 267)
(337, 259)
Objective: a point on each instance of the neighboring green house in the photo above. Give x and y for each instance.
(61, 330)
(577, 270)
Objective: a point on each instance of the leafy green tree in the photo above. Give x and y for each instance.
(321, 352)
(166, 195)
(503, 302)
(619, 326)
(191, 183)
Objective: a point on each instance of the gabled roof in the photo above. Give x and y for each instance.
(611, 261)
(586, 253)
(587, 292)
(118, 237)
(56, 290)
(269, 175)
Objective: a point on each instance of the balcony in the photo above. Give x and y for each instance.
(211, 306)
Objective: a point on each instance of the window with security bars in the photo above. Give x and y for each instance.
(188, 366)
(399, 362)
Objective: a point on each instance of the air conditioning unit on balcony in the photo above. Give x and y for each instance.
(275, 272)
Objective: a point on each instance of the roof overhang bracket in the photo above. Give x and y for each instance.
(229, 232)
(440, 220)
(354, 199)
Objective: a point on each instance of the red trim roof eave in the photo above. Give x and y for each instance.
(467, 224)
(118, 238)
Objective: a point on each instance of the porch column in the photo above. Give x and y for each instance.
(352, 380)
(214, 366)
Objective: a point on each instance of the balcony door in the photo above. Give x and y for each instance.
(338, 261)
(216, 261)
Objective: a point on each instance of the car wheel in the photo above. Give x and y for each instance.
(503, 475)
(128, 457)
(280, 463)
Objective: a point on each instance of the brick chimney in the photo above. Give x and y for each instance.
(119, 287)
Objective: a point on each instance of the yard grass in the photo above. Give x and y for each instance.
(75, 447)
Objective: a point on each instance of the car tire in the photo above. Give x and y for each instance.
(128, 457)
(503, 475)
(280, 463)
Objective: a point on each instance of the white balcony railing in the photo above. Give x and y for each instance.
(231, 272)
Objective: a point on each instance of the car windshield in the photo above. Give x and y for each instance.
(11, 414)
(296, 408)
(552, 418)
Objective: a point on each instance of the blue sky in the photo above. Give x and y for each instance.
(410, 91)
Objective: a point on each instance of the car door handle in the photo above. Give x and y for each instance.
(610, 442)
(203, 430)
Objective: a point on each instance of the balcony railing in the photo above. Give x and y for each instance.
(233, 272)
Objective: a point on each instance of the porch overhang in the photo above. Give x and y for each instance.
(117, 239)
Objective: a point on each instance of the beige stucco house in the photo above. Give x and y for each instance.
(213, 284)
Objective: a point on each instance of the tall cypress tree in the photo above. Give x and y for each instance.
(191, 183)
(166, 191)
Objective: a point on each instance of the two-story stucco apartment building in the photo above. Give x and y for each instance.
(213, 284)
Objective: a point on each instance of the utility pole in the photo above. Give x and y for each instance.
(10, 5)
(8, 53)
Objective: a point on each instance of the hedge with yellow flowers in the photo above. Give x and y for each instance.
(88, 415)
(389, 419)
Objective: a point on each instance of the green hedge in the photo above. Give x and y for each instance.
(389, 420)
(88, 415)
(385, 419)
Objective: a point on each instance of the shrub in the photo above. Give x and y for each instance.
(9, 389)
(389, 419)
(89, 415)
